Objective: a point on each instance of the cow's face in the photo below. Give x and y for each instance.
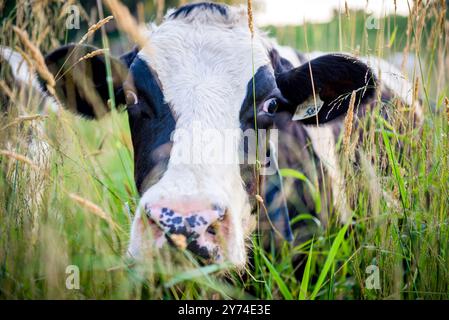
(191, 94)
(188, 92)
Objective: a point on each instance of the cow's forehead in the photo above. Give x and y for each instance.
(205, 60)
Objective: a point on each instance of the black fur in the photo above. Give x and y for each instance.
(151, 123)
(279, 63)
(265, 88)
(74, 84)
(334, 78)
(186, 10)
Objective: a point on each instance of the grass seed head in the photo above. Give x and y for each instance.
(20, 158)
(92, 207)
(250, 17)
(92, 54)
(95, 27)
(38, 58)
(348, 123)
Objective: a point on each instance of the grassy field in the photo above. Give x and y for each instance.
(400, 196)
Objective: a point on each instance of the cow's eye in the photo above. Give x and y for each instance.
(270, 106)
(131, 98)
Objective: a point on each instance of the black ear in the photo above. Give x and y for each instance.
(335, 77)
(81, 80)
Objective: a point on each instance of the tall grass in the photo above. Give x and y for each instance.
(398, 189)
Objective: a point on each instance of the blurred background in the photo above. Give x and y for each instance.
(334, 26)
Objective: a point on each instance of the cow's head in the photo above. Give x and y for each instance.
(197, 74)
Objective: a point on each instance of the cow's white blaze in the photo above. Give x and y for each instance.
(204, 66)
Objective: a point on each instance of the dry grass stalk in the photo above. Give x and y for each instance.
(442, 16)
(250, 17)
(347, 9)
(446, 103)
(42, 36)
(38, 58)
(21, 119)
(94, 28)
(141, 13)
(31, 117)
(25, 57)
(348, 124)
(179, 241)
(6, 89)
(415, 97)
(92, 207)
(20, 158)
(92, 54)
(126, 22)
(160, 10)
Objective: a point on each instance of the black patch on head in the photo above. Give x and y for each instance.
(186, 10)
(151, 123)
(265, 88)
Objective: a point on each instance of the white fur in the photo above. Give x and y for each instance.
(23, 74)
(204, 66)
(323, 142)
(19, 67)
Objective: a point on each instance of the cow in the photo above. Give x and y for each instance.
(203, 69)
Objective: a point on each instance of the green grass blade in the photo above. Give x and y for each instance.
(194, 273)
(330, 259)
(281, 284)
(292, 173)
(395, 167)
(306, 276)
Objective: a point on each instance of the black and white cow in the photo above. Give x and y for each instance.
(197, 72)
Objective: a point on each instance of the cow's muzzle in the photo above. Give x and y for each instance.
(197, 231)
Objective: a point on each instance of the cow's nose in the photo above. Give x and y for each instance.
(195, 230)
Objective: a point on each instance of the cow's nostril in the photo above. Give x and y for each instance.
(212, 229)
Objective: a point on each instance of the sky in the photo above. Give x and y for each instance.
(282, 12)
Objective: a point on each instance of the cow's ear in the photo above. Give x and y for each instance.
(335, 77)
(81, 78)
